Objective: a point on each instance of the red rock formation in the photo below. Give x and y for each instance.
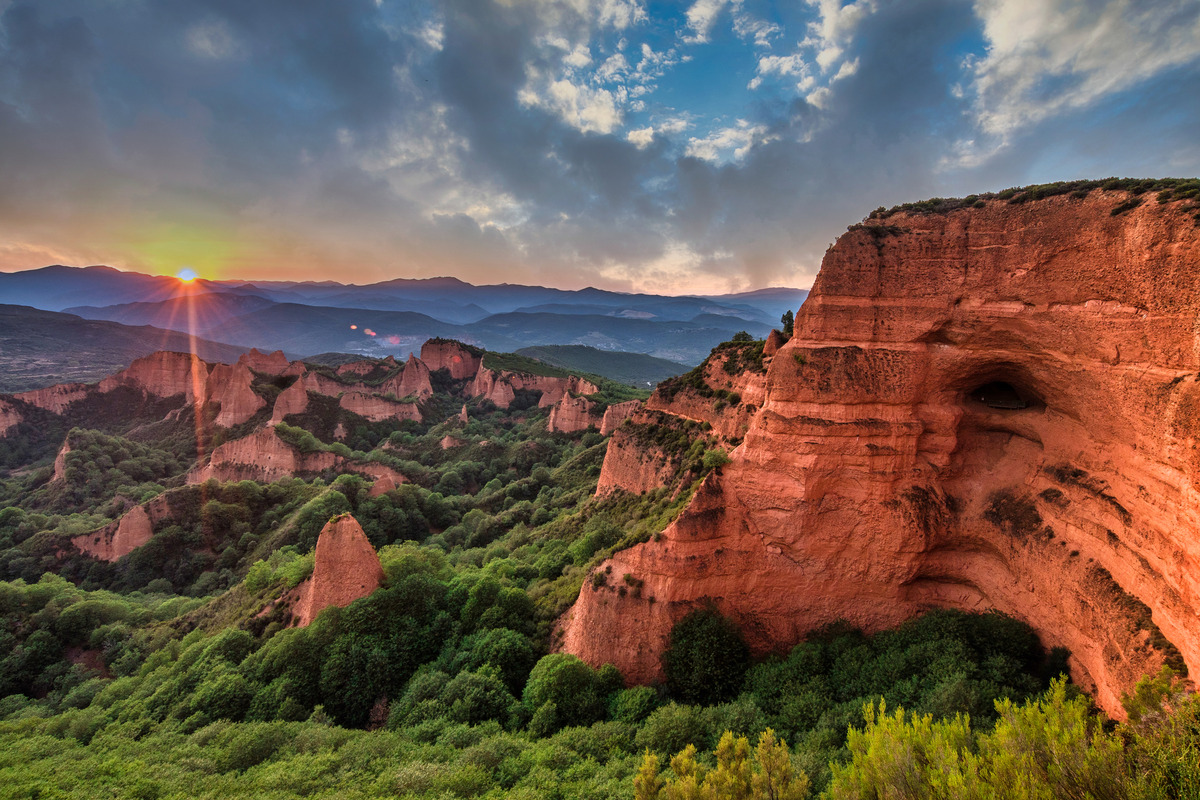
(345, 568)
(296, 368)
(271, 364)
(449, 442)
(373, 469)
(163, 374)
(730, 401)
(60, 460)
(9, 417)
(292, 400)
(572, 414)
(774, 341)
(120, 538)
(412, 381)
(456, 357)
(874, 483)
(490, 385)
(357, 367)
(55, 398)
(231, 387)
(617, 413)
(378, 409)
(631, 465)
(382, 486)
(261, 456)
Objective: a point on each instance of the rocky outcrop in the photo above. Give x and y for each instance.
(60, 461)
(378, 409)
(9, 417)
(345, 568)
(292, 400)
(489, 385)
(382, 486)
(261, 456)
(163, 374)
(412, 381)
(232, 387)
(121, 537)
(617, 413)
(357, 367)
(267, 363)
(994, 407)
(449, 442)
(632, 461)
(573, 414)
(461, 360)
(54, 399)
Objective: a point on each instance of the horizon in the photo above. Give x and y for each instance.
(626, 145)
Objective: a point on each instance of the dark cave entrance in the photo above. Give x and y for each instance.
(1003, 396)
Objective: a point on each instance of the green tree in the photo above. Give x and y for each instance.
(789, 320)
(706, 659)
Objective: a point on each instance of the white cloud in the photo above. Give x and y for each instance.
(750, 27)
(641, 137)
(1045, 57)
(700, 20)
(213, 40)
(589, 109)
(735, 141)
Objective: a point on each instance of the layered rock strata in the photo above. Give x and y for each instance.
(990, 408)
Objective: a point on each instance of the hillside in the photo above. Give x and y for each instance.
(42, 348)
(635, 369)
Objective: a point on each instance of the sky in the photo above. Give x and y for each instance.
(671, 147)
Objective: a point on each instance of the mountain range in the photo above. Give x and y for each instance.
(393, 317)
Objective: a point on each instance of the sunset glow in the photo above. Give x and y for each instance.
(187, 275)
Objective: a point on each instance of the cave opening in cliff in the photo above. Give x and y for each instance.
(1002, 395)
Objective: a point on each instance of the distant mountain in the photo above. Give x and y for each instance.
(41, 348)
(58, 287)
(193, 313)
(304, 317)
(634, 369)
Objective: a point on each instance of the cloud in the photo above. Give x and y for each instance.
(701, 17)
(735, 141)
(1045, 57)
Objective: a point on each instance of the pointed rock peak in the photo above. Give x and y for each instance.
(345, 568)
(60, 460)
(382, 486)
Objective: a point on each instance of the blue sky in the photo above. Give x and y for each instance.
(714, 145)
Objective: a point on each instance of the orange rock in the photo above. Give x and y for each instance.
(163, 374)
(489, 385)
(449, 442)
(345, 568)
(451, 355)
(292, 400)
(55, 398)
(295, 368)
(774, 341)
(382, 486)
(632, 467)
(572, 414)
(261, 456)
(873, 483)
(271, 364)
(412, 381)
(377, 409)
(617, 413)
(118, 539)
(357, 367)
(9, 417)
(60, 460)
(231, 387)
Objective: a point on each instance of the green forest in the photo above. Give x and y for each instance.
(174, 672)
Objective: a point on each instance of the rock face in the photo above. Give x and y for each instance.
(993, 407)
(60, 461)
(345, 568)
(572, 414)
(261, 456)
(9, 417)
(633, 465)
(376, 408)
(55, 399)
(617, 413)
(413, 381)
(131, 531)
(268, 363)
(461, 361)
(292, 400)
(231, 387)
(490, 385)
(163, 374)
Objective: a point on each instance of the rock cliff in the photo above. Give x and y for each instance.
(274, 363)
(376, 408)
(617, 413)
(10, 417)
(163, 374)
(231, 387)
(345, 568)
(572, 414)
(123, 536)
(461, 360)
(261, 456)
(995, 406)
(412, 381)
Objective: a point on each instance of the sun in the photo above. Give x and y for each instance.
(187, 275)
